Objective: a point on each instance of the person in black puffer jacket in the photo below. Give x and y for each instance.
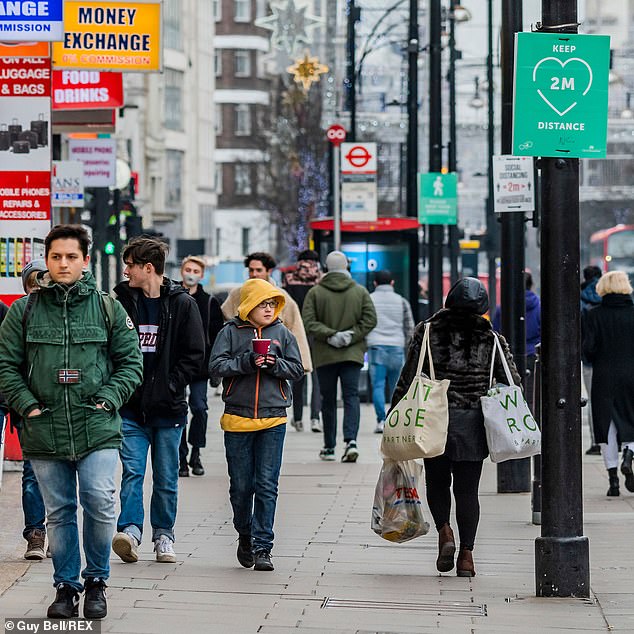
(461, 346)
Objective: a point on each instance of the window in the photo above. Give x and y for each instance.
(174, 178)
(242, 181)
(243, 120)
(172, 24)
(218, 62)
(242, 64)
(218, 178)
(217, 10)
(218, 120)
(174, 99)
(245, 239)
(242, 11)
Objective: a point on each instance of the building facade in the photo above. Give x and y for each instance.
(166, 131)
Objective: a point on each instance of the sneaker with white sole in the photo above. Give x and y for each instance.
(379, 427)
(126, 545)
(351, 453)
(164, 548)
(297, 425)
(316, 426)
(327, 454)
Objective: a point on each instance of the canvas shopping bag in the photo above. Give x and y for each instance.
(397, 512)
(416, 427)
(511, 430)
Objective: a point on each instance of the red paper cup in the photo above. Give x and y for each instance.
(261, 346)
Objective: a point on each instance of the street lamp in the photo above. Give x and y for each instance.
(457, 14)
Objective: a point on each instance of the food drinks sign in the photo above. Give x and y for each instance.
(560, 105)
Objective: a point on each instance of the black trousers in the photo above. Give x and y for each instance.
(439, 474)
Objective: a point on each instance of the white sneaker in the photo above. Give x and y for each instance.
(351, 452)
(316, 426)
(297, 425)
(126, 545)
(379, 427)
(164, 548)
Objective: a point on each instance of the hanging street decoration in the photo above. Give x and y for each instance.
(307, 70)
(289, 24)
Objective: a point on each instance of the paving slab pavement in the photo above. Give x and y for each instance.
(332, 573)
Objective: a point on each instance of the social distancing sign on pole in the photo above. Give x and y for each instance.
(560, 105)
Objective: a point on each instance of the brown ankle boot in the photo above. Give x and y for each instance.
(446, 549)
(464, 565)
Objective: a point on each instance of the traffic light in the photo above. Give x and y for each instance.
(133, 227)
(110, 242)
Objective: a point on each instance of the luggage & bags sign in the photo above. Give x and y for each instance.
(123, 36)
(31, 20)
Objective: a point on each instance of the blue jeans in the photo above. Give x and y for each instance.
(58, 484)
(254, 459)
(329, 375)
(386, 363)
(32, 502)
(162, 442)
(198, 425)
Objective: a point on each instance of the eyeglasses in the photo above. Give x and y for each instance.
(272, 303)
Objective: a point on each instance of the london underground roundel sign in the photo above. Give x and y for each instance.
(336, 134)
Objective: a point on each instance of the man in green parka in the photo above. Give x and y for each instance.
(69, 359)
(338, 314)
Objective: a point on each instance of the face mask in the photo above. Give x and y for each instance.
(189, 279)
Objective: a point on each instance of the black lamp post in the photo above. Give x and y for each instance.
(562, 566)
(513, 476)
(435, 233)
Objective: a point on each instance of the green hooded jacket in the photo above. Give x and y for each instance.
(68, 329)
(336, 304)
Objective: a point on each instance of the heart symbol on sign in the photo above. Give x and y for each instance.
(569, 107)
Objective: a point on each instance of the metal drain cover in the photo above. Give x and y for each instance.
(464, 608)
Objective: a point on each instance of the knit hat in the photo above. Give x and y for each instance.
(336, 262)
(34, 266)
(254, 292)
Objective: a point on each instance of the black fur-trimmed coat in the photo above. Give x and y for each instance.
(461, 346)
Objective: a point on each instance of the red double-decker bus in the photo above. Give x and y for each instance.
(613, 249)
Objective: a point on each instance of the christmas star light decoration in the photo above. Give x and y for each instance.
(307, 70)
(289, 24)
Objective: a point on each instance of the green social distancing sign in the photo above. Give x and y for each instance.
(438, 198)
(560, 105)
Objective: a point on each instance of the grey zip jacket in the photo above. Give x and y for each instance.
(250, 392)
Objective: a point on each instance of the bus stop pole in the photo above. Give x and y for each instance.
(337, 195)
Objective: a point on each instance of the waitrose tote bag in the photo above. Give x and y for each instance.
(511, 430)
(416, 427)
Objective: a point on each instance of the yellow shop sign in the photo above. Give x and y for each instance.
(118, 36)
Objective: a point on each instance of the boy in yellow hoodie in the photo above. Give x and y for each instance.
(256, 393)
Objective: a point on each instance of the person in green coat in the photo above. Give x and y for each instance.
(338, 314)
(69, 359)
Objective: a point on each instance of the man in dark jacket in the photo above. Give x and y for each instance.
(192, 272)
(338, 314)
(533, 330)
(589, 299)
(83, 362)
(297, 283)
(173, 346)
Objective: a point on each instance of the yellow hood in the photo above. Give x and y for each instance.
(254, 292)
